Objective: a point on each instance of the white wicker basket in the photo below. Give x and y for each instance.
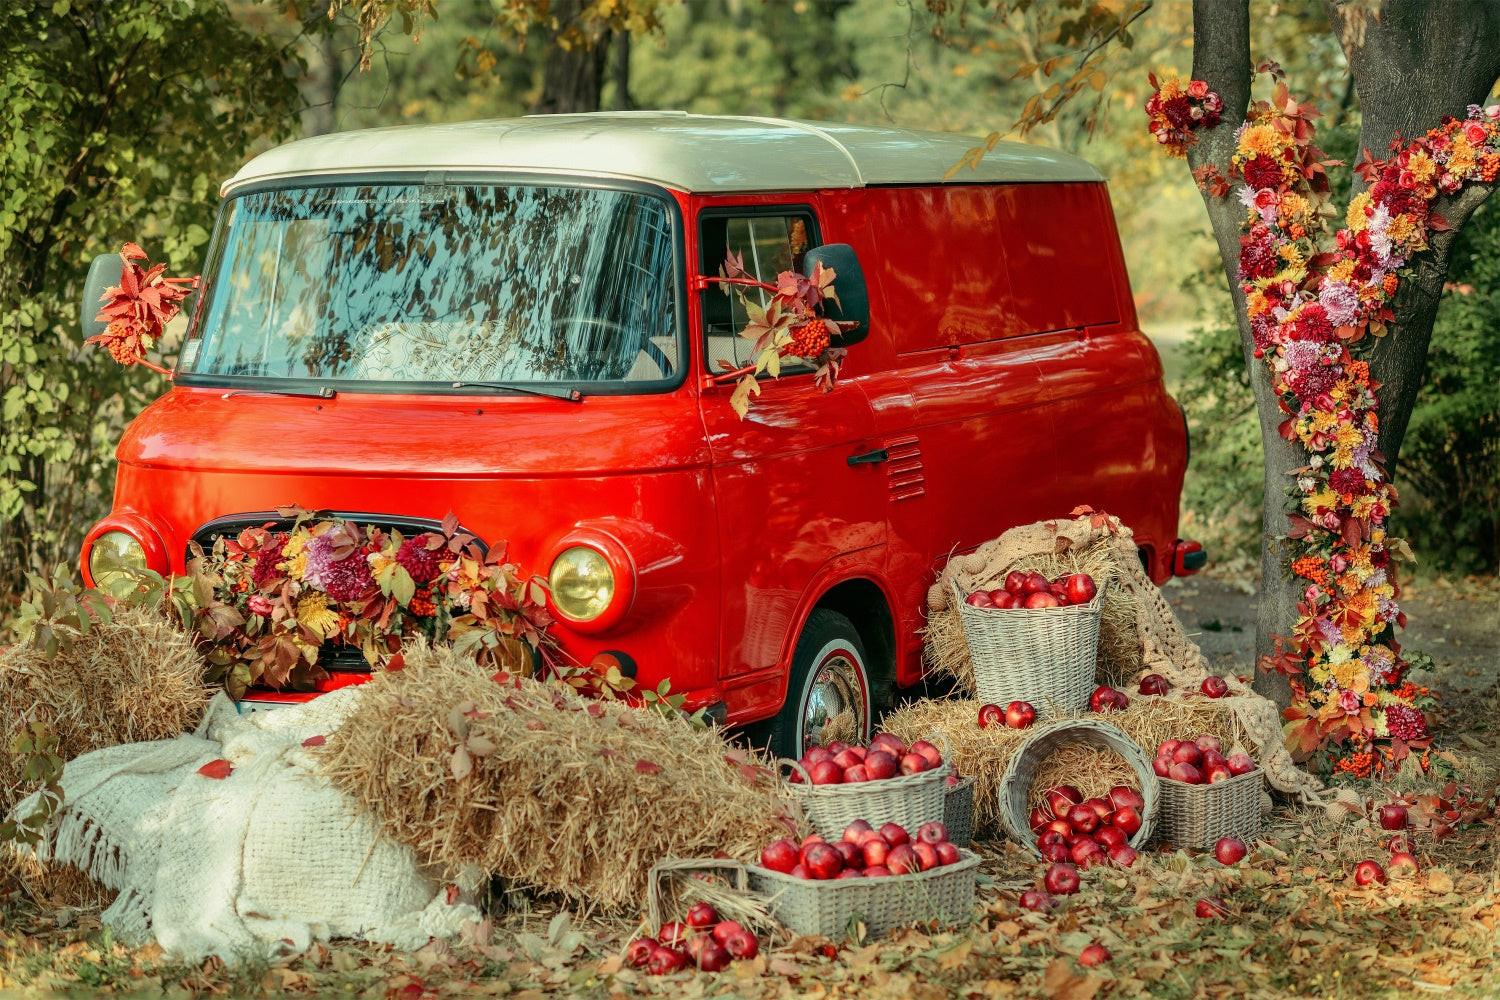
(908, 800)
(1044, 656)
(1196, 816)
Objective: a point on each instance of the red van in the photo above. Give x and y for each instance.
(509, 320)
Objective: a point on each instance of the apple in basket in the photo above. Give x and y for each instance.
(914, 763)
(990, 714)
(1217, 773)
(1162, 766)
(779, 856)
(1039, 818)
(1062, 798)
(890, 743)
(1019, 715)
(1186, 773)
(947, 853)
(980, 599)
(1055, 851)
(875, 851)
(932, 754)
(1121, 796)
(1127, 819)
(701, 915)
(1209, 743)
(932, 833)
(856, 830)
(1111, 836)
(826, 772)
(1082, 818)
(903, 860)
(822, 862)
(1153, 684)
(1240, 763)
(852, 855)
(1188, 753)
(879, 764)
(1042, 599)
(894, 834)
(1081, 588)
(927, 855)
(1167, 748)
(1123, 855)
(1035, 583)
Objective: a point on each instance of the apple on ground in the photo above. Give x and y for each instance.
(989, 715)
(1123, 855)
(1367, 872)
(1033, 899)
(1154, 684)
(1393, 817)
(1061, 879)
(1094, 954)
(672, 934)
(1211, 908)
(1055, 851)
(701, 915)
(665, 961)
(1019, 715)
(742, 944)
(638, 953)
(1229, 850)
(1403, 865)
(724, 929)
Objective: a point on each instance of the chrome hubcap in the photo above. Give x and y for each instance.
(835, 708)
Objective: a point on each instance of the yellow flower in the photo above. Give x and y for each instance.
(313, 613)
(1422, 167)
(1259, 139)
(1170, 87)
(1323, 421)
(1402, 228)
(1293, 206)
(1255, 303)
(1355, 218)
(1324, 498)
(1350, 435)
(1342, 271)
(1290, 253)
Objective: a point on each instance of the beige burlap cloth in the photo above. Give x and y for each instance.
(1163, 646)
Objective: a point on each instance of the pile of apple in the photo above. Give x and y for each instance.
(885, 757)
(1087, 833)
(1033, 590)
(1198, 762)
(702, 939)
(864, 852)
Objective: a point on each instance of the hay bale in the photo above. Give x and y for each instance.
(1119, 660)
(984, 753)
(565, 795)
(135, 679)
(51, 886)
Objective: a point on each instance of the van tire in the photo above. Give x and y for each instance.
(830, 669)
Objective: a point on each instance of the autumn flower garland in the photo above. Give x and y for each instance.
(1309, 313)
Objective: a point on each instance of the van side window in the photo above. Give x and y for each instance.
(771, 241)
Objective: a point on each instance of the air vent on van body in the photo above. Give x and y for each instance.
(903, 470)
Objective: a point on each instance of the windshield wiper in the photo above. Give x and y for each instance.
(321, 392)
(568, 393)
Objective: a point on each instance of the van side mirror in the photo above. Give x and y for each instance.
(103, 272)
(853, 305)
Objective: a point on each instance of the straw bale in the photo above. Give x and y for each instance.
(565, 795)
(50, 885)
(1119, 641)
(135, 679)
(984, 753)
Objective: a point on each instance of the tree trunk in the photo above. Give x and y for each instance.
(1422, 60)
(573, 76)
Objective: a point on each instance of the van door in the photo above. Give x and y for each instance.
(787, 499)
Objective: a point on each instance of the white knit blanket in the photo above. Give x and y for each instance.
(259, 864)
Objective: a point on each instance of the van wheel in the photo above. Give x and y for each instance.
(828, 692)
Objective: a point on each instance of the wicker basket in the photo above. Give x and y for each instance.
(944, 896)
(908, 800)
(1015, 785)
(1041, 655)
(1197, 816)
(731, 872)
(958, 811)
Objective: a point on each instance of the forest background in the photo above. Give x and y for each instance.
(120, 120)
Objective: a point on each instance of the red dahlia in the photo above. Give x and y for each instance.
(417, 559)
(1405, 722)
(1349, 481)
(264, 570)
(348, 578)
(1262, 172)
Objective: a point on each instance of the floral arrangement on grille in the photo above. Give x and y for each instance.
(269, 601)
(1312, 301)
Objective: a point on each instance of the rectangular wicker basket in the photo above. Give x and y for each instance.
(944, 896)
(1044, 656)
(958, 811)
(909, 801)
(1196, 816)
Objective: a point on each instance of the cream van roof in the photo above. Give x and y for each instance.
(697, 153)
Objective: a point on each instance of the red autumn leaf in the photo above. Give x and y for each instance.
(315, 741)
(217, 769)
(450, 892)
(395, 664)
(1437, 223)
(646, 767)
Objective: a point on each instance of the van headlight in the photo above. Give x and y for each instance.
(115, 556)
(582, 583)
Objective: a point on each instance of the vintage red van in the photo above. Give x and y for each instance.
(507, 320)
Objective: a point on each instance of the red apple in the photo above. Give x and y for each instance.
(989, 715)
(1060, 592)
(1214, 686)
(1162, 766)
(1000, 596)
(1050, 837)
(927, 855)
(877, 871)
(1213, 757)
(638, 953)
(856, 830)
(1056, 851)
(1111, 836)
(1062, 798)
(1035, 583)
(951, 780)
(1239, 763)
(713, 959)
(852, 873)
(696, 945)
(1399, 843)
(1219, 772)
(1186, 773)
(1031, 899)
(799, 872)
(826, 772)
(1403, 865)
(822, 862)
(1039, 818)
(1211, 908)
(665, 961)
(1082, 818)
(1081, 588)
(701, 915)
(1229, 850)
(742, 945)
(1101, 808)
(1008, 600)
(1060, 826)
(856, 774)
(724, 929)
(914, 763)
(947, 853)
(930, 753)
(1094, 954)
(1187, 753)
(1102, 700)
(847, 758)
(1393, 817)
(980, 599)
(903, 860)
(1127, 819)
(1087, 852)
(1015, 582)
(672, 934)
(1167, 747)
(1020, 715)
(890, 743)
(880, 765)
(816, 754)
(779, 856)
(850, 854)
(932, 833)
(1061, 879)
(1123, 855)
(1042, 600)
(837, 747)
(1367, 872)
(1154, 684)
(894, 834)
(1207, 743)
(1121, 796)
(875, 851)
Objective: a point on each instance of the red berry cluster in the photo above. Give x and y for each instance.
(1087, 833)
(864, 852)
(702, 939)
(810, 339)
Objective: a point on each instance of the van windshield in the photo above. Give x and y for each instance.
(439, 284)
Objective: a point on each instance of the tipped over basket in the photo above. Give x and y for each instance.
(1044, 656)
(1015, 785)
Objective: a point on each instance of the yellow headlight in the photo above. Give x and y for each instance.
(115, 556)
(582, 583)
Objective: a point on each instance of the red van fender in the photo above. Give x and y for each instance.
(841, 569)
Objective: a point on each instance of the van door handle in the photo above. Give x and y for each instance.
(870, 457)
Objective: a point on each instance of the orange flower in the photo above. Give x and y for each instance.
(1389, 283)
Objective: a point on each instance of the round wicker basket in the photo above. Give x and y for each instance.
(958, 811)
(1015, 785)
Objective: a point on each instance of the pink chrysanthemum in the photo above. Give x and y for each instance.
(1406, 722)
(348, 578)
